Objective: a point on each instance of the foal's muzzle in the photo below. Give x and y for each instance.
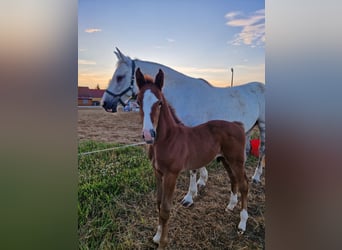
(149, 136)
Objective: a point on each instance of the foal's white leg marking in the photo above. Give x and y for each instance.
(149, 100)
(188, 198)
(156, 238)
(203, 177)
(232, 202)
(243, 220)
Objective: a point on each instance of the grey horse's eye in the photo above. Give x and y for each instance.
(119, 78)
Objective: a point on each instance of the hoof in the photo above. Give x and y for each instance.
(229, 208)
(243, 221)
(201, 186)
(186, 203)
(241, 229)
(255, 181)
(256, 177)
(187, 200)
(156, 240)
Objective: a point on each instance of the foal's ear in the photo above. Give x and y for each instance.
(140, 78)
(159, 81)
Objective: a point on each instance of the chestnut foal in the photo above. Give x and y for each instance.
(175, 147)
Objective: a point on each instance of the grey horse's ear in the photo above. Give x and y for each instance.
(140, 78)
(121, 56)
(118, 52)
(159, 81)
(117, 55)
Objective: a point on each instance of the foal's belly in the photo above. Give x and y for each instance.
(200, 160)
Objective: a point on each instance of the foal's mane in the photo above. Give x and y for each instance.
(149, 79)
(174, 116)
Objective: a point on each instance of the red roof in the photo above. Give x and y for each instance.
(85, 92)
(96, 93)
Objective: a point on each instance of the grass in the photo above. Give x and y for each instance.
(108, 183)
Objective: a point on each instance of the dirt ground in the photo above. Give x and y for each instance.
(99, 125)
(205, 225)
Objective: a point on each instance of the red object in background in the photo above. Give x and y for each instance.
(255, 147)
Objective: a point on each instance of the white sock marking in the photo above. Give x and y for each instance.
(232, 202)
(156, 238)
(243, 220)
(203, 177)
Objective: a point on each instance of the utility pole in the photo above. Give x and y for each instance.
(231, 83)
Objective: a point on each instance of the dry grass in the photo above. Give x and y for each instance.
(206, 225)
(99, 125)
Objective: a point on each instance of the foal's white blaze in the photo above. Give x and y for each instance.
(148, 101)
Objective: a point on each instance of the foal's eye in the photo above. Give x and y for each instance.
(119, 78)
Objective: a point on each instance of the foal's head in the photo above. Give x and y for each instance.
(150, 100)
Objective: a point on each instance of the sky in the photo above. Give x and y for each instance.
(200, 38)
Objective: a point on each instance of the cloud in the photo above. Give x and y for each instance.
(92, 30)
(86, 62)
(232, 14)
(253, 28)
(170, 40)
(167, 45)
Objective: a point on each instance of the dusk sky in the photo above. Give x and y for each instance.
(202, 39)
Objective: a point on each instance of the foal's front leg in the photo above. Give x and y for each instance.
(168, 187)
(156, 238)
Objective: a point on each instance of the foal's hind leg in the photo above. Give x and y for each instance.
(203, 177)
(237, 175)
(243, 188)
(188, 198)
(233, 193)
(193, 190)
(242, 182)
